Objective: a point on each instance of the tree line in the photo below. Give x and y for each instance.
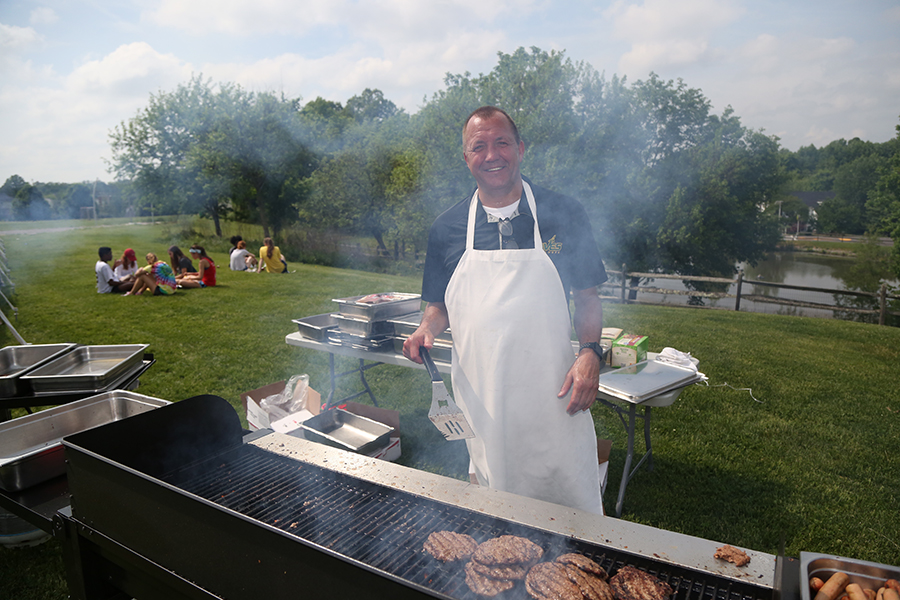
(669, 185)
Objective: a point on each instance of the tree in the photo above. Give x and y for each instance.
(29, 204)
(884, 205)
(12, 185)
(209, 151)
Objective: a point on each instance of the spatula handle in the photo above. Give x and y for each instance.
(429, 364)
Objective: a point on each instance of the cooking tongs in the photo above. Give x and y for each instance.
(444, 413)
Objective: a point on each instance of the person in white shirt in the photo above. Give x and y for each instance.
(107, 282)
(126, 267)
(241, 258)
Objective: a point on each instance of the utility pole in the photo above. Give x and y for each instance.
(94, 199)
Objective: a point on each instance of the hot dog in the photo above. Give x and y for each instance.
(833, 587)
(855, 591)
(815, 584)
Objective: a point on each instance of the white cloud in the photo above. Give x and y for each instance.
(69, 118)
(663, 33)
(17, 39)
(384, 21)
(131, 69)
(43, 15)
(243, 17)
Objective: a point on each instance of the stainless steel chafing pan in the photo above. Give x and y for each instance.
(16, 361)
(343, 429)
(30, 447)
(87, 368)
(317, 327)
(389, 305)
(869, 575)
(406, 325)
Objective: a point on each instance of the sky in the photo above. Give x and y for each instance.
(807, 71)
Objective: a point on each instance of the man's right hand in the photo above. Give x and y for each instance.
(434, 321)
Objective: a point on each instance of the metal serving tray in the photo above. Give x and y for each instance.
(16, 361)
(406, 325)
(316, 327)
(31, 451)
(363, 327)
(376, 344)
(85, 368)
(868, 575)
(343, 429)
(401, 303)
(439, 352)
(645, 380)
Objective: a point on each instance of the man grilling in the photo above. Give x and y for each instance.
(499, 269)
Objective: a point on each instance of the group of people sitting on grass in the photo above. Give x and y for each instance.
(157, 277)
(162, 279)
(270, 257)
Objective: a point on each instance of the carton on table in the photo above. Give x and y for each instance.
(628, 349)
(257, 418)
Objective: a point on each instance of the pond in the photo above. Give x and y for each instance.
(790, 268)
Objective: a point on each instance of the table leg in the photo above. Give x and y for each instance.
(647, 437)
(362, 376)
(331, 370)
(626, 472)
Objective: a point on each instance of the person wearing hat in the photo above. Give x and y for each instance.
(126, 267)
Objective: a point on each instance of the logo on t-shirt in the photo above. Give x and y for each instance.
(551, 246)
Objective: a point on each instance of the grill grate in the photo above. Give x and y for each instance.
(385, 529)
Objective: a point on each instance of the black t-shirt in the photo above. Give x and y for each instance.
(185, 263)
(565, 232)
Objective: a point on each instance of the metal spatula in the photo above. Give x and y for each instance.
(444, 413)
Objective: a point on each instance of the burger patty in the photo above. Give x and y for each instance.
(501, 571)
(508, 550)
(584, 563)
(633, 584)
(483, 585)
(449, 546)
(591, 586)
(550, 581)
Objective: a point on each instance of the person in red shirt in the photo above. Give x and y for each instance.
(206, 273)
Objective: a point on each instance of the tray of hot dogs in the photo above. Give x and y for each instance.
(831, 577)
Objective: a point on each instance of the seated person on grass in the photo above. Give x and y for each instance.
(205, 277)
(126, 267)
(107, 282)
(157, 277)
(241, 258)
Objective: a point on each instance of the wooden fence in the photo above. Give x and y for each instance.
(626, 293)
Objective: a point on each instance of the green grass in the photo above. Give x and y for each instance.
(813, 462)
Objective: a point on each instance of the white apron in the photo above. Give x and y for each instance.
(511, 352)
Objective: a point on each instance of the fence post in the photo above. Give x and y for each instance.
(883, 303)
(623, 283)
(737, 300)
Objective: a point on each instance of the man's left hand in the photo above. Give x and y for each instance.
(582, 379)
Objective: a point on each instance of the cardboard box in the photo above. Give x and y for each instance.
(258, 419)
(629, 349)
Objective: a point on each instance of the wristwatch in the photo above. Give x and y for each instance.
(596, 347)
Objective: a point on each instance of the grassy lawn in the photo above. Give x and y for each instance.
(808, 455)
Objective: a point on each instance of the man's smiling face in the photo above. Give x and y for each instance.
(493, 156)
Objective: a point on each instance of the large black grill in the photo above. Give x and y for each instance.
(248, 523)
